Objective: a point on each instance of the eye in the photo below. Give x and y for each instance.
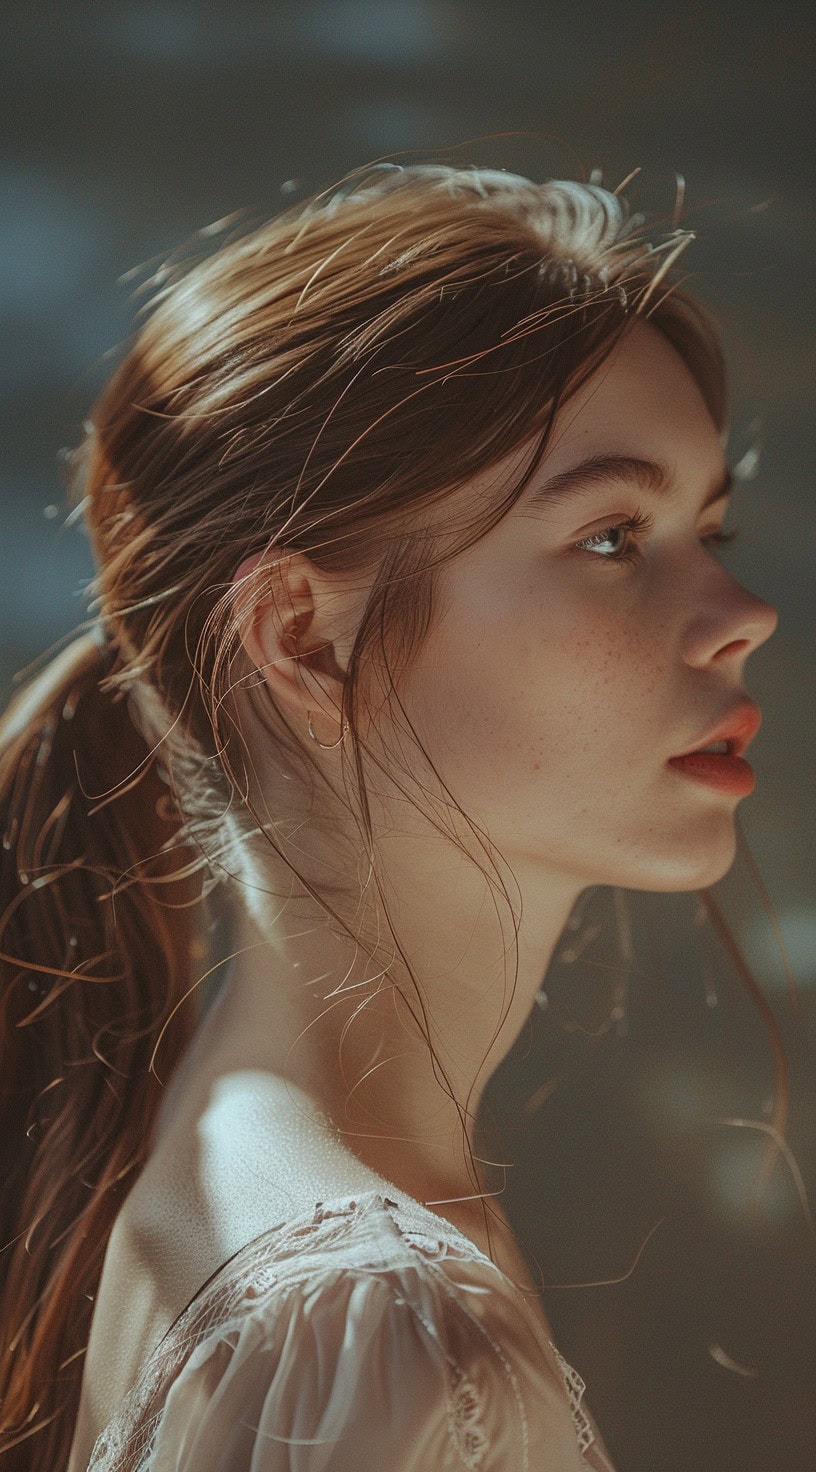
(721, 539)
(634, 529)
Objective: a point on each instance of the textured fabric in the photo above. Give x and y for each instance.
(371, 1335)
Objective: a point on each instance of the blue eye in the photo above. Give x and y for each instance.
(634, 528)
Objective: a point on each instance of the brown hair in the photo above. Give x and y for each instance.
(318, 383)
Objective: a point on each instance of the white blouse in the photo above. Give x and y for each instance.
(372, 1335)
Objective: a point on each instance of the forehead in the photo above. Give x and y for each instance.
(641, 404)
(642, 400)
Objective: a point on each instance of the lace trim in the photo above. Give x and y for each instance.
(435, 1245)
(466, 1417)
(125, 1441)
(575, 1389)
(465, 1423)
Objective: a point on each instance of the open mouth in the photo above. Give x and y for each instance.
(718, 768)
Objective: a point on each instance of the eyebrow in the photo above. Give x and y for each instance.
(651, 476)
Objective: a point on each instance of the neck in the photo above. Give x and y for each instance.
(300, 1004)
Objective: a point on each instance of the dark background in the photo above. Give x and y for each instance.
(127, 127)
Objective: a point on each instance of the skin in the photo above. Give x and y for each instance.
(550, 692)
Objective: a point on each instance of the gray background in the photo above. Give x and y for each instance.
(126, 128)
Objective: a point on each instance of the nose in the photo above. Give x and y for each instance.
(735, 625)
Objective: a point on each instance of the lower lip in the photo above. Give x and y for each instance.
(731, 774)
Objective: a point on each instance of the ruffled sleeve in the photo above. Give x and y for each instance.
(420, 1364)
(347, 1378)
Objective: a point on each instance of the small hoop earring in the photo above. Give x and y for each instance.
(327, 746)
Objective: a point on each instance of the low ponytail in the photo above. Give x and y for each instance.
(92, 963)
(326, 384)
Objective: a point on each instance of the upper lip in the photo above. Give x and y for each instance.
(738, 728)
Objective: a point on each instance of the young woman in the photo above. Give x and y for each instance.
(405, 508)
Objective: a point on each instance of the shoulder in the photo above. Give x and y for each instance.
(378, 1354)
(340, 1370)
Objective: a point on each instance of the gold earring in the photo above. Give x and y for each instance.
(327, 746)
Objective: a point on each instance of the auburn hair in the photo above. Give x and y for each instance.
(321, 382)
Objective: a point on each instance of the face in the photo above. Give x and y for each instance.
(559, 679)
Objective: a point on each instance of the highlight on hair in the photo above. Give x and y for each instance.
(324, 384)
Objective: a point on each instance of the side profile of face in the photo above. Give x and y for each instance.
(559, 677)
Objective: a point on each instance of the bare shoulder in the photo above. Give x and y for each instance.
(237, 1158)
(390, 1357)
(129, 1320)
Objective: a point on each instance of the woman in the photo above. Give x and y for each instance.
(405, 508)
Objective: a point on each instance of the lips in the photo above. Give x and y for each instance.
(738, 728)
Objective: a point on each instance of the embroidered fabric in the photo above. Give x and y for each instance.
(371, 1334)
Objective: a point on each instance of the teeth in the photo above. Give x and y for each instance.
(720, 747)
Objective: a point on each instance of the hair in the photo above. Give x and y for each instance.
(321, 382)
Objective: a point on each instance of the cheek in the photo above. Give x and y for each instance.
(588, 688)
(608, 681)
(519, 690)
(521, 707)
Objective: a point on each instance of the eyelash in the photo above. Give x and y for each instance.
(639, 526)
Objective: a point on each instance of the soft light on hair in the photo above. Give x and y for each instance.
(321, 384)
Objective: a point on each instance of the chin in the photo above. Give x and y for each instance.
(696, 867)
(677, 857)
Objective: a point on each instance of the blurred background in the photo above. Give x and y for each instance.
(128, 127)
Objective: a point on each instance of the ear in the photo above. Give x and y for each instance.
(294, 622)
